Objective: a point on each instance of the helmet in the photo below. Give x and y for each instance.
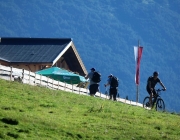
(155, 73)
(93, 69)
(110, 75)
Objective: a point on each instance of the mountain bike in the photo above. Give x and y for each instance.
(157, 101)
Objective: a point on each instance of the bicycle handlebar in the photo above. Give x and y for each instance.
(160, 90)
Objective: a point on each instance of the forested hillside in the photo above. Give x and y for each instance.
(104, 33)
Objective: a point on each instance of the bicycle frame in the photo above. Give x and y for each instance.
(156, 100)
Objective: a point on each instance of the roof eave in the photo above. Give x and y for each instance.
(61, 53)
(71, 44)
(79, 58)
(45, 63)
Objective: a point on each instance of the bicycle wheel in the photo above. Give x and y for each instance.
(146, 102)
(160, 106)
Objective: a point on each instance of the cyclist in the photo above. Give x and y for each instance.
(151, 83)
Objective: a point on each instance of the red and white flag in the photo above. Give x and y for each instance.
(138, 54)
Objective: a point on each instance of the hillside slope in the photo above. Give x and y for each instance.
(104, 33)
(29, 112)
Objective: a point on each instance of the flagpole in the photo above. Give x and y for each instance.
(137, 86)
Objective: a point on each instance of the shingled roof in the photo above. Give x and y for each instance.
(37, 50)
(30, 50)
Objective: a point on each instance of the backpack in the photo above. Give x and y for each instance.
(96, 77)
(114, 82)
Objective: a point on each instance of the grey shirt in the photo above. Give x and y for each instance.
(90, 75)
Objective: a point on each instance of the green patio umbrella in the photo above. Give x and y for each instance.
(62, 75)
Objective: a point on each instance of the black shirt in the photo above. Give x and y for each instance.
(153, 81)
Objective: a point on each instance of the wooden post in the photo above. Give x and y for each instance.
(11, 74)
(23, 75)
(47, 81)
(87, 90)
(40, 79)
(72, 88)
(29, 77)
(65, 86)
(35, 79)
(58, 85)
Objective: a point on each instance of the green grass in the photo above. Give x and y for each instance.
(36, 113)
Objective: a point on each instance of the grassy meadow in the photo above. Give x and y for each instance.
(38, 113)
